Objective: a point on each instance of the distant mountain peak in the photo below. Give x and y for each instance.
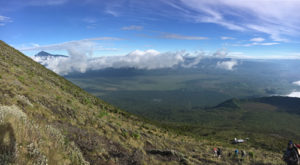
(46, 54)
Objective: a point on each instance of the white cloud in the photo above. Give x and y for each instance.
(149, 59)
(296, 83)
(278, 18)
(294, 94)
(227, 65)
(221, 53)
(257, 39)
(4, 20)
(182, 37)
(132, 27)
(227, 38)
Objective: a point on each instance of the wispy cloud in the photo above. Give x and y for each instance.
(112, 12)
(13, 5)
(132, 27)
(90, 20)
(257, 43)
(286, 56)
(85, 45)
(257, 39)
(227, 38)
(277, 18)
(46, 2)
(182, 37)
(4, 20)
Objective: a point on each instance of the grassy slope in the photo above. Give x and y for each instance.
(46, 119)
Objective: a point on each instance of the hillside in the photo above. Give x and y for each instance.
(45, 119)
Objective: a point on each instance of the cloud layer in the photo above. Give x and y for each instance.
(149, 59)
(80, 57)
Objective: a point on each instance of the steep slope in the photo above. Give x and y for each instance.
(45, 119)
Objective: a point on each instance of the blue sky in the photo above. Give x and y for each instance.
(117, 27)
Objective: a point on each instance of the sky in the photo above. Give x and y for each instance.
(245, 28)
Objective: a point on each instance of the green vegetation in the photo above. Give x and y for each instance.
(45, 119)
(102, 114)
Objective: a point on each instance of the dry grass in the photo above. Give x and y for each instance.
(31, 143)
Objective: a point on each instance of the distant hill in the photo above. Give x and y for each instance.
(45, 119)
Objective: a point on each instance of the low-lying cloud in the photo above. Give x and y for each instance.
(294, 94)
(80, 58)
(227, 65)
(78, 62)
(149, 59)
(296, 83)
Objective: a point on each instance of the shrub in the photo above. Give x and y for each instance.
(135, 135)
(20, 78)
(102, 114)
